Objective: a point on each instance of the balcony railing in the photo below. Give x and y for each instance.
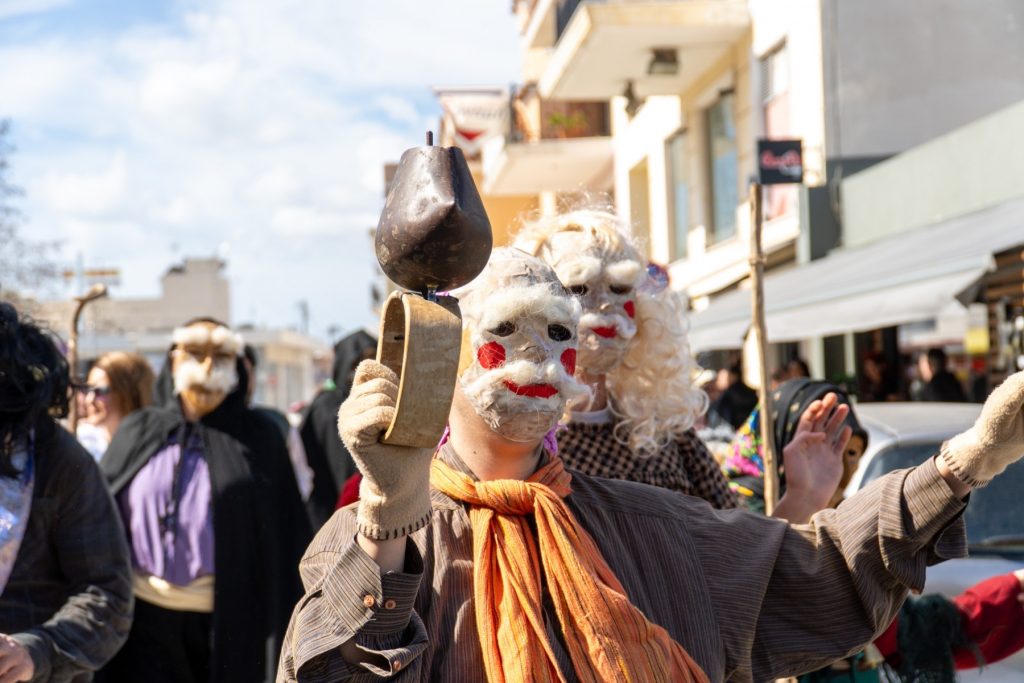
(533, 118)
(564, 9)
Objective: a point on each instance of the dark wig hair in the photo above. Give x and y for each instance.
(34, 381)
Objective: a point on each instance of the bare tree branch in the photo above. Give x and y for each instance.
(24, 264)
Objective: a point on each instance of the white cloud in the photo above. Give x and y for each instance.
(87, 194)
(16, 8)
(397, 109)
(247, 123)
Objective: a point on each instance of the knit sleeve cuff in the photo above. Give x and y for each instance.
(40, 650)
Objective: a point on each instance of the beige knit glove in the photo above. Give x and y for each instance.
(394, 496)
(995, 441)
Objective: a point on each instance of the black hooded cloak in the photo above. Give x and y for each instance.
(260, 524)
(330, 461)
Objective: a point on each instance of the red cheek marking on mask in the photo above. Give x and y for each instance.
(606, 332)
(569, 360)
(630, 309)
(491, 355)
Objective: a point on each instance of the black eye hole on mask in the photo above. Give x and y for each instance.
(620, 290)
(579, 290)
(503, 329)
(559, 333)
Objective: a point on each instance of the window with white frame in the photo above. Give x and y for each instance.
(640, 204)
(723, 170)
(779, 199)
(677, 159)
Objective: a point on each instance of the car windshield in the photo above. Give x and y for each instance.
(995, 516)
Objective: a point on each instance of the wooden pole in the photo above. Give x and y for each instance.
(771, 478)
(95, 292)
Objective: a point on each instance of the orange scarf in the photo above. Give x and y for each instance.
(609, 640)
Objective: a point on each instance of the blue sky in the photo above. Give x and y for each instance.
(252, 129)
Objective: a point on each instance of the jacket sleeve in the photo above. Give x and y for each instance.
(94, 621)
(993, 619)
(792, 598)
(348, 599)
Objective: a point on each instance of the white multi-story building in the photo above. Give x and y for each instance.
(691, 85)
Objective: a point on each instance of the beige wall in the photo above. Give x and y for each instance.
(196, 288)
(505, 212)
(904, 72)
(974, 167)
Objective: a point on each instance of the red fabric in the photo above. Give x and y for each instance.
(993, 619)
(887, 643)
(349, 492)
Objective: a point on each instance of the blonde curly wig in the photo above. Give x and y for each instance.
(652, 392)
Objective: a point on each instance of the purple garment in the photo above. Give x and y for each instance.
(183, 552)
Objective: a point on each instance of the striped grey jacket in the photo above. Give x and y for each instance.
(749, 597)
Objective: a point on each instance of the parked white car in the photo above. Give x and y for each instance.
(905, 434)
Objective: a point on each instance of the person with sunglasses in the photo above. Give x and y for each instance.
(118, 384)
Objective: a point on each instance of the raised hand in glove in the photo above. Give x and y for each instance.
(394, 495)
(995, 441)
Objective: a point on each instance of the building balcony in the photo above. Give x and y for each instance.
(598, 48)
(550, 146)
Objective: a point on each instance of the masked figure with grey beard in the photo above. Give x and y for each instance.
(214, 519)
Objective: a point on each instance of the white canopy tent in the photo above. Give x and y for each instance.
(906, 278)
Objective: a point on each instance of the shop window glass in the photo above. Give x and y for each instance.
(679, 192)
(723, 171)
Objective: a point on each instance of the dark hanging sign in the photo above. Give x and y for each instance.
(780, 161)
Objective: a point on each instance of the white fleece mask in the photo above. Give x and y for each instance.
(606, 288)
(190, 373)
(522, 328)
(205, 365)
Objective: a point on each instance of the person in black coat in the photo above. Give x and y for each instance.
(65, 579)
(327, 456)
(737, 401)
(939, 383)
(214, 519)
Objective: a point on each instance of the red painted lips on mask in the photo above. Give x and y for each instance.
(531, 390)
(606, 332)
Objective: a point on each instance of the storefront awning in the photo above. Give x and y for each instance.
(906, 278)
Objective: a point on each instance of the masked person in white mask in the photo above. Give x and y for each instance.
(487, 559)
(214, 520)
(637, 421)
